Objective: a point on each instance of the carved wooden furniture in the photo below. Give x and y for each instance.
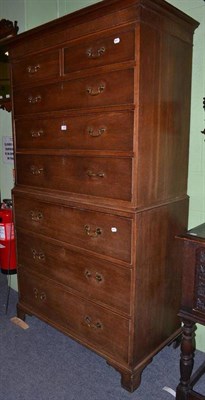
(101, 118)
(7, 29)
(192, 310)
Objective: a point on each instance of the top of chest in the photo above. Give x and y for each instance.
(97, 21)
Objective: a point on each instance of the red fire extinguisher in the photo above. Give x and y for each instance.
(7, 240)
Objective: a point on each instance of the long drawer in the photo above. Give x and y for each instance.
(107, 131)
(90, 323)
(97, 176)
(108, 89)
(95, 279)
(102, 233)
(102, 49)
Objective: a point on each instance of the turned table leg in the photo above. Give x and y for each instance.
(186, 360)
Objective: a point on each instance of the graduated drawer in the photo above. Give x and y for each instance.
(98, 232)
(96, 279)
(89, 323)
(107, 131)
(108, 177)
(100, 90)
(113, 47)
(36, 67)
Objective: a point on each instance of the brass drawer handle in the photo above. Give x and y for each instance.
(96, 132)
(92, 174)
(35, 291)
(92, 325)
(90, 233)
(95, 91)
(32, 69)
(38, 295)
(42, 296)
(39, 256)
(88, 274)
(36, 215)
(35, 170)
(36, 134)
(95, 54)
(98, 277)
(34, 99)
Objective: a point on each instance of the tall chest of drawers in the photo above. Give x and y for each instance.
(101, 101)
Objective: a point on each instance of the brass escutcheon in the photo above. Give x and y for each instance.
(95, 91)
(36, 215)
(32, 69)
(39, 256)
(94, 233)
(95, 132)
(34, 99)
(36, 170)
(92, 174)
(95, 54)
(36, 134)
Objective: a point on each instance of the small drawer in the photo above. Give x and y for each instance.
(94, 279)
(96, 176)
(117, 46)
(108, 131)
(36, 67)
(89, 323)
(98, 232)
(101, 90)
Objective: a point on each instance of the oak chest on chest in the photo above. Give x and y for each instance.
(101, 101)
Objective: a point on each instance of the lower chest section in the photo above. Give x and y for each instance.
(75, 272)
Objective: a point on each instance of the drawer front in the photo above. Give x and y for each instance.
(95, 279)
(100, 50)
(34, 68)
(97, 176)
(108, 131)
(98, 232)
(104, 89)
(90, 323)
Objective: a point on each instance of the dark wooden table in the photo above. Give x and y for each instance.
(192, 311)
